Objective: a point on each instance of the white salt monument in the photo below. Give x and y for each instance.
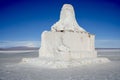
(67, 44)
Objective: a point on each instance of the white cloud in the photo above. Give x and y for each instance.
(4, 44)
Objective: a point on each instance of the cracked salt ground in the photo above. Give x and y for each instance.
(109, 71)
(10, 69)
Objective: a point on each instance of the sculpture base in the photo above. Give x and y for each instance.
(50, 63)
(67, 45)
(65, 49)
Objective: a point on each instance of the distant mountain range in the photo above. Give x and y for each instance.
(20, 48)
(37, 48)
(107, 48)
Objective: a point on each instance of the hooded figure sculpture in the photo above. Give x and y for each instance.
(67, 40)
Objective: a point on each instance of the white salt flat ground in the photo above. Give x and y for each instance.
(11, 70)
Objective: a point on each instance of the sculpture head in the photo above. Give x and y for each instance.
(67, 12)
(67, 21)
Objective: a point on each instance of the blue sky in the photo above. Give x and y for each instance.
(23, 21)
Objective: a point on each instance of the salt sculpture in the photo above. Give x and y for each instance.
(66, 45)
